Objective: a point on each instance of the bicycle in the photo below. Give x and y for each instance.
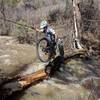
(47, 50)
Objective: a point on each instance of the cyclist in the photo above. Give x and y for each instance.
(48, 32)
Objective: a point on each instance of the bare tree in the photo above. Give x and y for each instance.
(4, 27)
(77, 21)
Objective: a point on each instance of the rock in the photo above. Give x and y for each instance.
(18, 58)
(54, 91)
(82, 68)
(93, 84)
(7, 40)
(14, 57)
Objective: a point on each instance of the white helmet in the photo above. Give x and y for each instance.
(43, 24)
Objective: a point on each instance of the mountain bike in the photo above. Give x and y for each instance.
(47, 50)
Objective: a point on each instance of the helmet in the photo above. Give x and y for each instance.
(43, 24)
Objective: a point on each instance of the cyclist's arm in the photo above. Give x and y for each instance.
(37, 30)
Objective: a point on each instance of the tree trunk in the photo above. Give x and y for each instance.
(77, 21)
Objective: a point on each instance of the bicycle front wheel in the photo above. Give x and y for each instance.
(42, 52)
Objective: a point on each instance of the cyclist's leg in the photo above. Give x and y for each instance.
(47, 48)
(51, 44)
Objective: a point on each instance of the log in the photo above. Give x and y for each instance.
(77, 53)
(29, 79)
(21, 83)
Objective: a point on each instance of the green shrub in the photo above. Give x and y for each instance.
(23, 34)
(21, 31)
(11, 2)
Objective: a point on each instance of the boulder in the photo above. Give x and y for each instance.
(14, 57)
(50, 90)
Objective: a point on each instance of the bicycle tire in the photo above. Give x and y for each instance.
(39, 53)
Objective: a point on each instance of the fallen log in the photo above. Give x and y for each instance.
(77, 53)
(21, 83)
(29, 79)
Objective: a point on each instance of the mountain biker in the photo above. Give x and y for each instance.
(48, 32)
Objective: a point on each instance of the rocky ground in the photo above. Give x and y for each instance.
(78, 80)
(73, 82)
(14, 57)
